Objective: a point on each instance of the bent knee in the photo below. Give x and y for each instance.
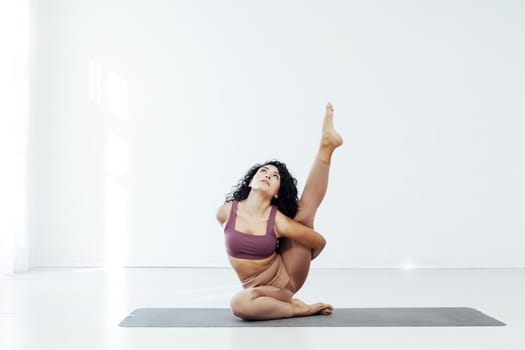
(241, 305)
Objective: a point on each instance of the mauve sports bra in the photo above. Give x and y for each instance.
(248, 246)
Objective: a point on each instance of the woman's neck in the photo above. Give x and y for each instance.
(256, 205)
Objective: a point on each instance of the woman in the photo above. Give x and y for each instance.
(257, 215)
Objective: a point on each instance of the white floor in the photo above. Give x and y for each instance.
(81, 308)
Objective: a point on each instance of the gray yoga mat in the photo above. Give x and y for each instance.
(349, 317)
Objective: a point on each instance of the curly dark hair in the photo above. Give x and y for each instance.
(287, 200)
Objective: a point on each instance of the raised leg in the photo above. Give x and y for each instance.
(296, 257)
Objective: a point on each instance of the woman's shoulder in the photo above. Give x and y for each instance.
(282, 223)
(223, 212)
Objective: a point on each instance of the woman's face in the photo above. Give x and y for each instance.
(267, 179)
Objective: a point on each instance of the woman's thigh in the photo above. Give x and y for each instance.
(296, 259)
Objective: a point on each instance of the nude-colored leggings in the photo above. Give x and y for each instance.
(268, 295)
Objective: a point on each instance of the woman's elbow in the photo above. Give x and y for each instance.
(322, 243)
(319, 248)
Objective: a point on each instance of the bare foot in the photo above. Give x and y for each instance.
(330, 137)
(302, 309)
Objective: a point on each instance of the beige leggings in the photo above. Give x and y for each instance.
(268, 294)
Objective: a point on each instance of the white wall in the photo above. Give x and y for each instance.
(16, 22)
(147, 112)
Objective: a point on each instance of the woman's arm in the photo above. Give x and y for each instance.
(286, 227)
(223, 212)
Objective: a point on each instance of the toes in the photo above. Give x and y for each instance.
(327, 311)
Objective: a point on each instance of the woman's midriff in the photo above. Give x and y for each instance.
(248, 267)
